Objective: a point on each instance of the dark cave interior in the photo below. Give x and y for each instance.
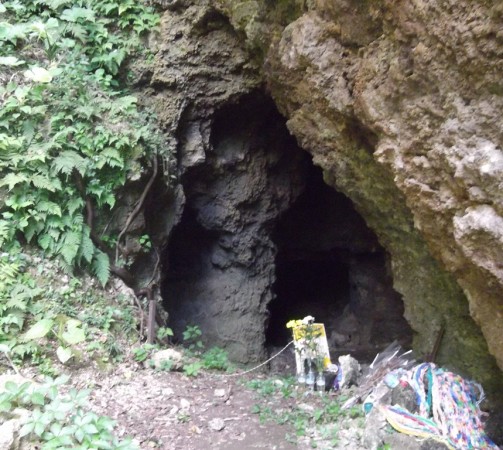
(264, 240)
(330, 265)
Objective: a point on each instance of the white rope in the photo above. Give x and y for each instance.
(256, 367)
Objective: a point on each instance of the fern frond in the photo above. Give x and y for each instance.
(11, 179)
(67, 268)
(70, 246)
(86, 250)
(111, 157)
(101, 266)
(8, 271)
(43, 182)
(74, 204)
(5, 232)
(34, 228)
(78, 31)
(68, 160)
(45, 241)
(49, 207)
(78, 219)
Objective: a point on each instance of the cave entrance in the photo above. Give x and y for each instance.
(330, 265)
(262, 239)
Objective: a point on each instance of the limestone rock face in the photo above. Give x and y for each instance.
(219, 265)
(400, 103)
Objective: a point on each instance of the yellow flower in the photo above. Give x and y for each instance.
(294, 323)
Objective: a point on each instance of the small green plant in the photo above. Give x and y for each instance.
(283, 386)
(164, 332)
(325, 413)
(192, 337)
(145, 242)
(166, 365)
(183, 417)
(192, 369)
(67, 331)
(216, 358)
(56, 420)
(141, 354)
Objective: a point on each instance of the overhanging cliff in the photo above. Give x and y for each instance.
(399, 103)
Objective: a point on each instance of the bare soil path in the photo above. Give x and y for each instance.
(171, 411)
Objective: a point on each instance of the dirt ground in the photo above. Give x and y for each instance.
(171, 411)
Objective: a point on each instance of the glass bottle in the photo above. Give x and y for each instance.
(320, 382)
(301, 376)
(310, 378)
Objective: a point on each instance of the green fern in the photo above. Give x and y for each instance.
(49, 207)
(44, 182)
(12, 179)
(70, 244)
(101, 266)
(8, 271)
(74, 204)
(87, 249)
(78, 119)
(5, 232)
(67, 161)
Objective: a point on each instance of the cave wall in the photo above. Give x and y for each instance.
(223, 282)
(400, 102)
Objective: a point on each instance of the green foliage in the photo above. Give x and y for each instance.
(70, 133)
(58, 421)
(166, 365)
(44, 316)
(69, 333)
(145, 242)
(324, 416)
(18, 294)
(183, 417)
(192, 369)
(164, 332)
(141, 354)
(192, 337)
(216, 358)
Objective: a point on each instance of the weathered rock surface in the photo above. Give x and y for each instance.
(400, 103)
(168, 358)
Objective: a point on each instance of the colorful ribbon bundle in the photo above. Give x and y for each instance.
(448, 410)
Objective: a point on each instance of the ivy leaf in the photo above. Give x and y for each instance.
(74, 333)
(38, 75)
(64, 354)
(39, 330)
(10, 61)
